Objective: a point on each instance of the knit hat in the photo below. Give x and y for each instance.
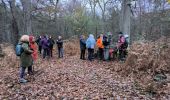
(24, 38)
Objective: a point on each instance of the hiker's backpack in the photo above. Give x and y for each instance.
(19, 49)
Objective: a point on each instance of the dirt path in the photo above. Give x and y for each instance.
(68, 79)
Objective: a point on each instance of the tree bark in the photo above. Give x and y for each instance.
(6, 36)
(125, 17)
(55, 16)
(26, 4)
(15, 30)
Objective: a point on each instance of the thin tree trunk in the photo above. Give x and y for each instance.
(15, 30)
(103, 9)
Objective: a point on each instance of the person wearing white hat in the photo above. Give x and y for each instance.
(26, 59)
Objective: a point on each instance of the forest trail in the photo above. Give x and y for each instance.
(66, 79)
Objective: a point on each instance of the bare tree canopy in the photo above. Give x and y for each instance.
(137, 18)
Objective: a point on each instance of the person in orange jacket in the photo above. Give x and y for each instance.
(100, 46)
(34, 47)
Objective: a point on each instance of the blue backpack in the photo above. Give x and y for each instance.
(19, 50)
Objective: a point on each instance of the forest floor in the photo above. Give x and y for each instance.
(69, 78)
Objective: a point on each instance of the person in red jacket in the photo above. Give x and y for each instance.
(34, 47)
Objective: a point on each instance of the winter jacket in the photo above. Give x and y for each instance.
(82, 44)
(44, 43)
(51, 42)
(26, 58)
(90, 43)
(38, 41)
(59, 43)
(100, 43)
(34, 47)
(121, 42)
(105, 42)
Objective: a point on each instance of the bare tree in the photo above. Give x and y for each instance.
(125, 17)
(102, 5)
(15, 30)
(26, 4)
(55, 4)
(6, 33)
(72, 17)
(93, 4)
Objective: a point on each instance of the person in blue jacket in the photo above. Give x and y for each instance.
(90, 44)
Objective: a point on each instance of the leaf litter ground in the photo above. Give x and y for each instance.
(69, 79)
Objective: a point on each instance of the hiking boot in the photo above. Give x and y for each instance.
(22, 80)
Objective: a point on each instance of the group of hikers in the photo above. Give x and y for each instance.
(28, 47)
(104, 52)
(46, 44)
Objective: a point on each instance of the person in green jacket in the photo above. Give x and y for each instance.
(26, 59)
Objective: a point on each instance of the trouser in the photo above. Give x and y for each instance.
(101, 53)
(60, 52)
(122, 54)
(48, 52)
(126, 53)
(51, 52)
(106, 53)
(45, 53)
(40, 49)
(22, 71)
(82, 56)
(90, 54)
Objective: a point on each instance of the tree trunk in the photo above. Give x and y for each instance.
(15, 30)
(1, 53)
(125, 17)
(26, 4)
(6, 36)
(102, 6)
(55, 16)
